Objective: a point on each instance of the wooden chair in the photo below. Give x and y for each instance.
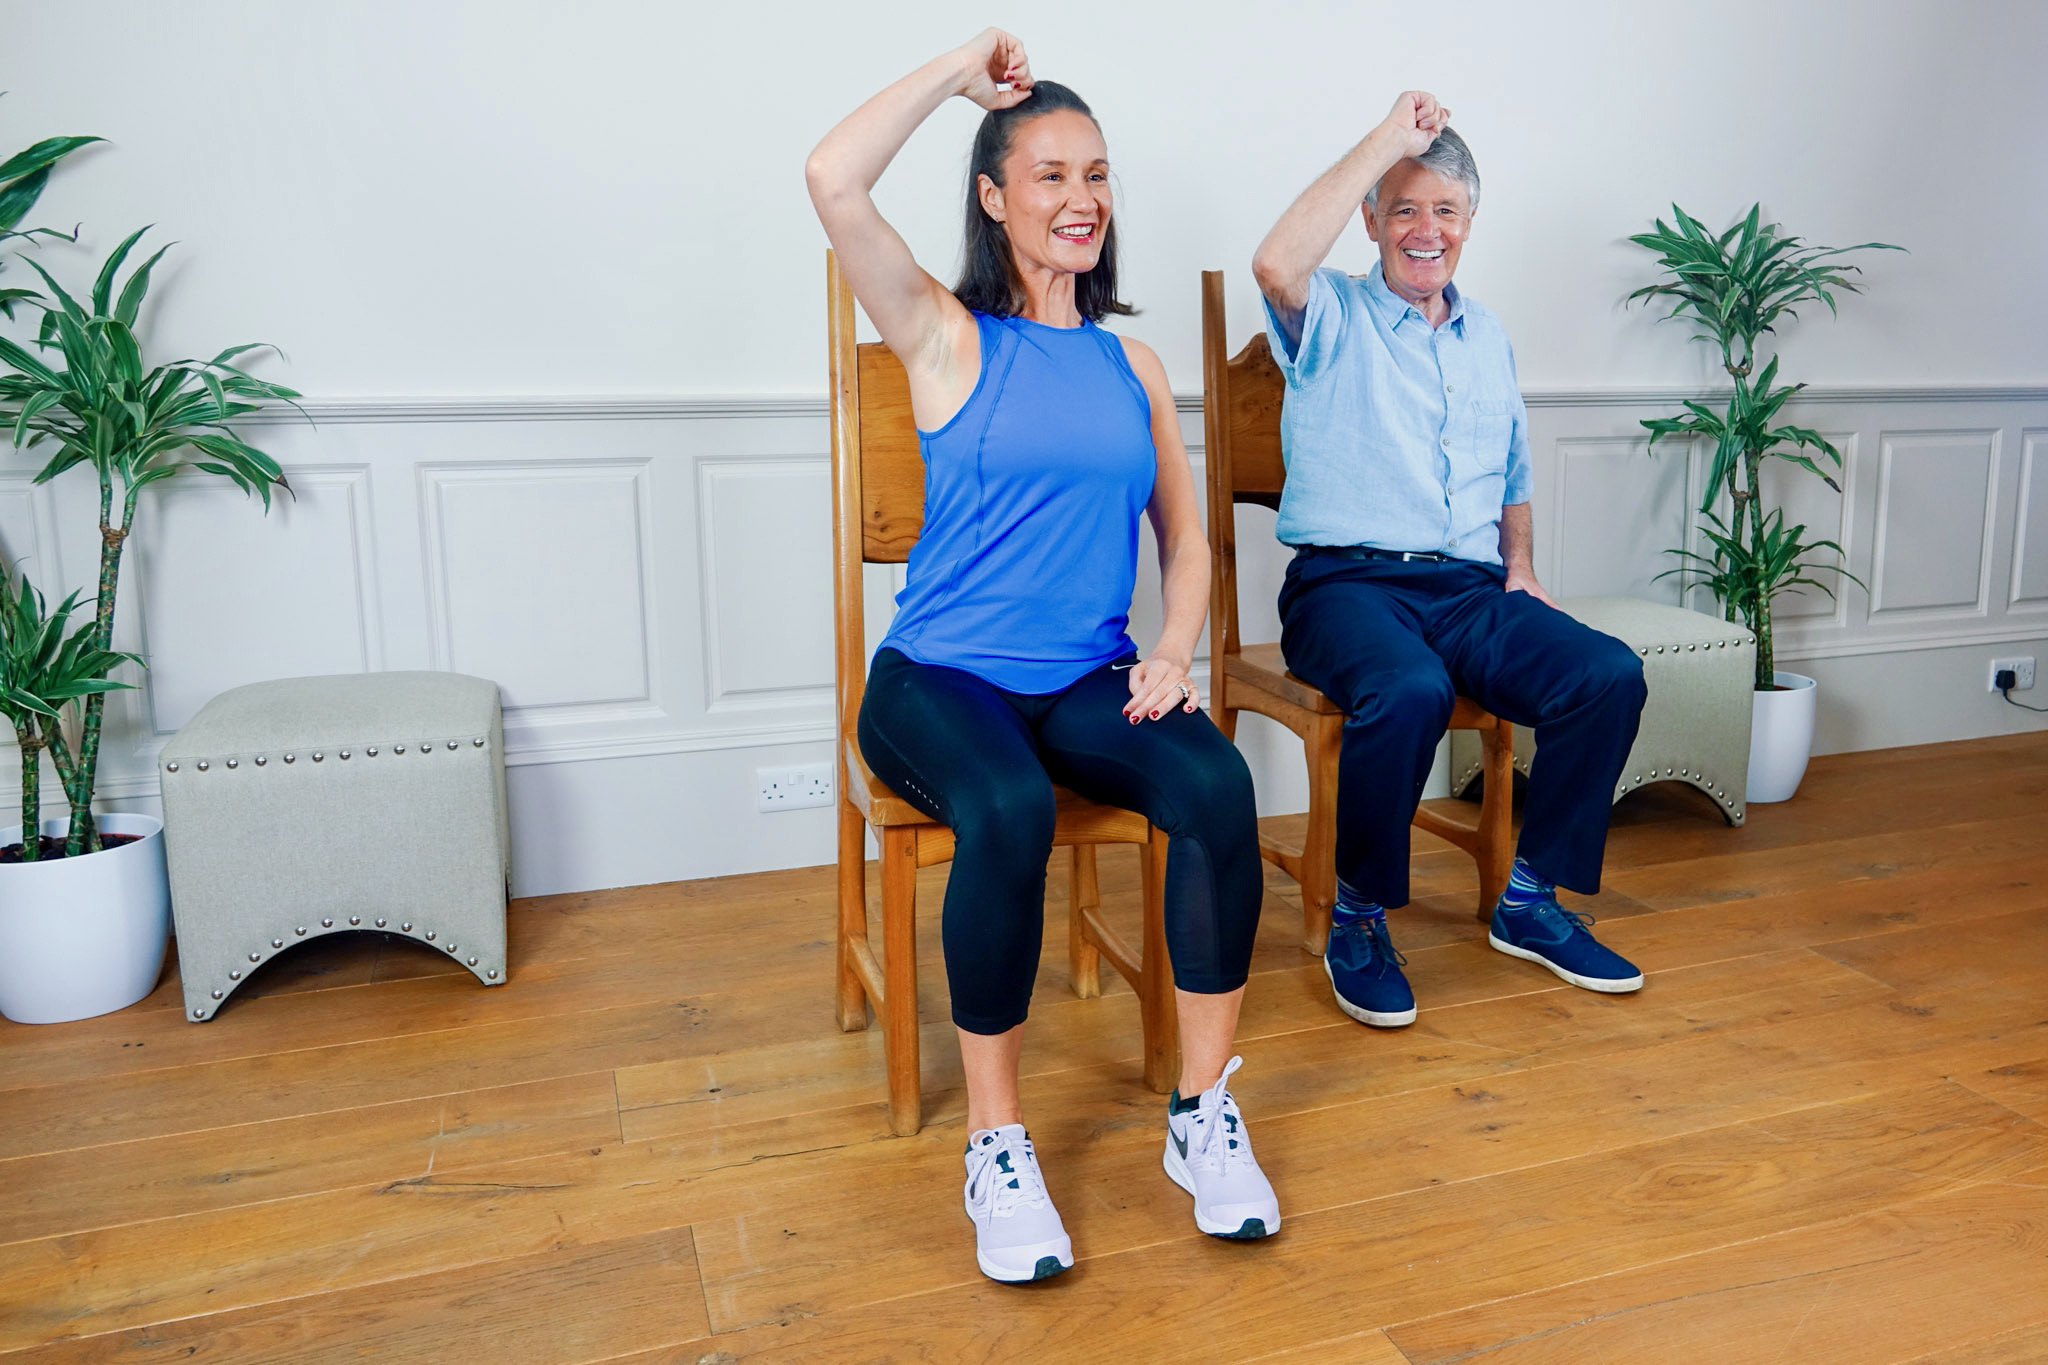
(878, 515)
(1241, 413)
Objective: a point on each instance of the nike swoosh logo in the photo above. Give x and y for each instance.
(1119, 668)
(1180, 1144)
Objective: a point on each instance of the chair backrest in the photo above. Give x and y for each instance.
(1241, 402)
(877, 480)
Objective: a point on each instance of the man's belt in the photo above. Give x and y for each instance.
(1374, 552)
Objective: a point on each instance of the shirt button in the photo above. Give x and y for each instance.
(1446, 443)
(1450, 388)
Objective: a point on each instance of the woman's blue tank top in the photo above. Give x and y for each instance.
(1029, 556)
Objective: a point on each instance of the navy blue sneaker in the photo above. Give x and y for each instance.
(1365, 971)
(1549, 935)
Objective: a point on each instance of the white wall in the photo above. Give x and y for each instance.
(550, 277)
(510, 196)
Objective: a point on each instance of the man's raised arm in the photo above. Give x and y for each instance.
(1295, 248)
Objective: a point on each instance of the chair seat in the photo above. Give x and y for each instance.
(1263, 667)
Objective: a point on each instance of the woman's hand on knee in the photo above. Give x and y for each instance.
(1159, 684)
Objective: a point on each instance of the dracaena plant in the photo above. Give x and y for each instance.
(86, 389)
(22, 178)
(1746, 571)
(46, 668)
(1736, 287)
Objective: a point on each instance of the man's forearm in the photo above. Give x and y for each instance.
(1300, 241)
(1518, 539)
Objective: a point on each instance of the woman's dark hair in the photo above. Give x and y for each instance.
(989, 282)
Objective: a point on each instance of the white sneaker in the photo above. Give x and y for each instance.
(1018, 1235)
(1209, 1154)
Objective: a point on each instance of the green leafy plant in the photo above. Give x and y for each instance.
(1744, 572)
(1735, 287)
(132, 426)
(22, 178)
(45, 669)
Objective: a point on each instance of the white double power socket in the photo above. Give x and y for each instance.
(2023, 672)
(795, 788)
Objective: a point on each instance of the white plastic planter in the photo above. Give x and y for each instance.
(1780, 738)
(83, 936)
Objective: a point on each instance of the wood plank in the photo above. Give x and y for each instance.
(1892, 1285)
(1481, 1115)
(1842, 1025)
(536, 1310)
(133, 1274)
(2021, 1347)
(129, 1106)
(2000, 951)
(1354, 1348)
(2021, 1086)
(1740, 875)
(1433, 1250)
(129, 1182)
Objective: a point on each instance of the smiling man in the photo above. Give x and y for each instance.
(1407, 502)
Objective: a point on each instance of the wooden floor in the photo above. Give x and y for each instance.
(1816, 1135)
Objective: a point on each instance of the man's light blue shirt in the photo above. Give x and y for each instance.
(1398, 434)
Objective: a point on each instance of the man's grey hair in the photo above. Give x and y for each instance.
(1450, 158)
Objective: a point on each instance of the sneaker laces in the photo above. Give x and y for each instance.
(1216, 1136)
(1003, 1177)
(1380, 952)
(1569, 922)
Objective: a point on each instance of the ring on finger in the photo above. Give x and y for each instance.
(1184, 693)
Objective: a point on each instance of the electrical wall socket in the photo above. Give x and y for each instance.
(2024, 668)
(795, 788)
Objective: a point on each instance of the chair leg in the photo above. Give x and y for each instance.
(1319, 849)
(1155, 990)
(1084, 962)
(899, 969)
(853, 915)
(1496, 856)
(1225, 718)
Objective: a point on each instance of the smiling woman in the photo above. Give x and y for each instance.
(1059, 211)
(1009, 663)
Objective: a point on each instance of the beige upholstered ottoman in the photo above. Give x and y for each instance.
(1700, 671)
(311, 806)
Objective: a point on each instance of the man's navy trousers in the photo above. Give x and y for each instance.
(1394, 643)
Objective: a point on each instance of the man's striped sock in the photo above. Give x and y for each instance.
(1352, 907)
(1525, 888)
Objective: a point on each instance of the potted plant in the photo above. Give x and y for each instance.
(55, 965)
(89, 394)
(1735, 287)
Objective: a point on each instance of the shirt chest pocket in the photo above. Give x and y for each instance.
(1493, 426)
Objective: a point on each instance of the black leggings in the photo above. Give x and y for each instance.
(984, 761)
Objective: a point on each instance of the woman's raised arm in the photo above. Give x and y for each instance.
(915, 314)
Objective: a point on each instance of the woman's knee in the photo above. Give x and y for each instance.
(1007, 814)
